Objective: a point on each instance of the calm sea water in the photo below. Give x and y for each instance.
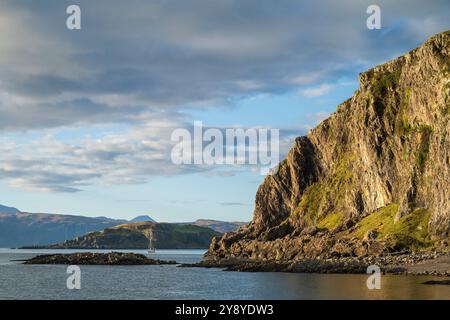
(18, 281)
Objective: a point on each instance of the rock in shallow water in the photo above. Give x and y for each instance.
(438, 282)
(89, 258)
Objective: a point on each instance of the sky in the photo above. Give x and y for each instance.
(86, 116)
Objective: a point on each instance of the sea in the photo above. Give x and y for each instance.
(19, 281)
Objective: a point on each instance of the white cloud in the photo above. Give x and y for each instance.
(306, 79)
(49, 163)
(318, 91)
(177, 55)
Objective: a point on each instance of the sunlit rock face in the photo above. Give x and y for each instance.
(373, 177)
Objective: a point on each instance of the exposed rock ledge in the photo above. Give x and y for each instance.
(419, 263)
(89, 258)
(438, 282)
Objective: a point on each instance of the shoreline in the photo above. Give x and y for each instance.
(419, 263)
(434, 264)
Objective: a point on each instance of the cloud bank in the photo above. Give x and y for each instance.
(144, 64)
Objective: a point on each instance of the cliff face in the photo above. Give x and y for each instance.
(373, 177)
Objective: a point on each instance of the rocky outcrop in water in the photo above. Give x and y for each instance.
(89, 258)
(371, 180)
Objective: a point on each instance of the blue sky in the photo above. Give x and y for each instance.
(86, 116)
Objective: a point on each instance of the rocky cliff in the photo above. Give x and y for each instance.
(373, 178)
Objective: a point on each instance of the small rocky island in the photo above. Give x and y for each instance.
(136, 236)
(90, 258)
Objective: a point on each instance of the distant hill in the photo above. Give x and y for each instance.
(18, 229)
(21, 228)
(136, 236)
(142, 219)
(219, 226)
(5, 209)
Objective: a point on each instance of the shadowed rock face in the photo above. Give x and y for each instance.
(373, 177)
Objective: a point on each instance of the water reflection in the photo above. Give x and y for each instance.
(19, 281)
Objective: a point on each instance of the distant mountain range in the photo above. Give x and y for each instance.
(18, 229)
(142, 219)
(5, 209)
(22, 228)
